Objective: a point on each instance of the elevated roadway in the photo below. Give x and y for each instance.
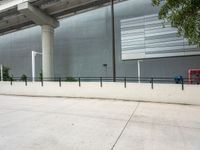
(11, 19)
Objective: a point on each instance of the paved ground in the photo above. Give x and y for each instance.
(74, 124)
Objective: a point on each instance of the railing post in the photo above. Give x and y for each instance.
(60, 82)
(101, 82)
(152, 82)
(79, 82)
(26, 81)
(125, 82)
(182, 83)
(42, 84)
(11, 81)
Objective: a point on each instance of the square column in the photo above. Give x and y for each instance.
(47, 51)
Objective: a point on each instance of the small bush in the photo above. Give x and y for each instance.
(70, 79)
(23, 77)
(41, 76)
(6, 73)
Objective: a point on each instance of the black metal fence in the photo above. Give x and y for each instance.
(102, 80)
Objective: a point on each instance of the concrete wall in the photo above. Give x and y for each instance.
(164, 93)
(83, 45)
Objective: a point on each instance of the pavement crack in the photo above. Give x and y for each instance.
(125, 126)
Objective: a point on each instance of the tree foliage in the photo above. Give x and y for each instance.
(6, 74)
(183, 15)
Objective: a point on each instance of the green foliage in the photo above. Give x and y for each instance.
(41, 75)
(70, 79)
(23, 77)
(6, 74)
(183, 15)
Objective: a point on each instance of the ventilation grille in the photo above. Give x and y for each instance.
(149, 37)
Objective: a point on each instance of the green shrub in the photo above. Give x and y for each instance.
(23, 77)
(70, 79)
(6, 73)
(41, 76)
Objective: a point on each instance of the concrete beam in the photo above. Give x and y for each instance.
(36, 15)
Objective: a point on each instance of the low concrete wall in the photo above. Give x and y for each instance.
(168, 93)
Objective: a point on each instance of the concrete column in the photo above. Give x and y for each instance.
(47, 51)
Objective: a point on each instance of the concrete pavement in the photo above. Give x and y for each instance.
(34, 123)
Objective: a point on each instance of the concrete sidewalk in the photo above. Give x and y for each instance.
(33, 123)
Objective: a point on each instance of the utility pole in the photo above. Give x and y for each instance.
(139, 70)
(113, 41)
(1, 72)
(33, 64)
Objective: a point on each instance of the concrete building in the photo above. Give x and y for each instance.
(83, 47)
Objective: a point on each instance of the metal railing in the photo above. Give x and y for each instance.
(102, 80)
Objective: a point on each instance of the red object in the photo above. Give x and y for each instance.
(194, 76)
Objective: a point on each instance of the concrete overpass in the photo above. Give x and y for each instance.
(20, 14)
